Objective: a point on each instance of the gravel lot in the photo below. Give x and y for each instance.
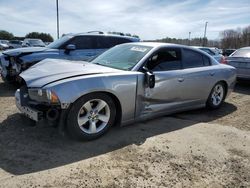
(199, 148)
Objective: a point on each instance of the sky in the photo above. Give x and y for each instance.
(150, 19)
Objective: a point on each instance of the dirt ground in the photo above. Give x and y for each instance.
(199, 148)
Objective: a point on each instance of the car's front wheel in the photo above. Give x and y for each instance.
(91, 116)
(216, 96)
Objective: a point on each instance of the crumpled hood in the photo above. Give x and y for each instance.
(51, 70)
(18, 51)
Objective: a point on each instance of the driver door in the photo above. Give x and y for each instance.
(85, 48)
(167, 94)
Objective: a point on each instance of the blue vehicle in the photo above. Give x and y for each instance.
(84, 46)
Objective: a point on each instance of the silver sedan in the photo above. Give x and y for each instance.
(240, 59)
(130, 82)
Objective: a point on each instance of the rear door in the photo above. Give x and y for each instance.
(198, 76)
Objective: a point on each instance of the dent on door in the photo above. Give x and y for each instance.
(166, 95)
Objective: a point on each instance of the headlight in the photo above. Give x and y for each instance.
(52, 97)
(43, 95)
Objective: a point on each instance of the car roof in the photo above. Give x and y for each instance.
(103, 34)
(158, 44)
(201, 47)
(245, 48)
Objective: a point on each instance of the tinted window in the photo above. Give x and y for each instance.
(210, 52)
(113, 41)
(102, 42)
(192, 59)
(165, 60)
(206, 61)
(82, 42)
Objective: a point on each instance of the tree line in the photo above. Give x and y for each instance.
(230, 38)
(235, 38)
(45, 37)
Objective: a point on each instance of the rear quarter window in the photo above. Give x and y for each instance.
(192, 59)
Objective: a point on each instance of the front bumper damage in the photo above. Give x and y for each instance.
(8, 67)
(53, 115)
(22, 105)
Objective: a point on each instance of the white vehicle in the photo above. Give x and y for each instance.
(4, 44)
(33, 43)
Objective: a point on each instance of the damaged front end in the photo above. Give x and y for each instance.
(11, 65)
(38, 104)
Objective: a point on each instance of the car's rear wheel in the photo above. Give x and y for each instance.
(217, 96)
(91, 116)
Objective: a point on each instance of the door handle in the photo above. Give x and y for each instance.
(212, 73)
(180, 79)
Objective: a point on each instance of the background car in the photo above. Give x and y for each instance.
(240, 59)
(33, 43)
(83, 46)
(216, 50)
(128, 83)
(15, 44)
(4, 44)
(228, 52)
(219, 57)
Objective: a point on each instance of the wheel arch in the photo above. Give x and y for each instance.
(117, 102)
(225, 85)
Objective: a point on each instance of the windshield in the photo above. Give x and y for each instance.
(242, 53)
(123, 57)
(36, 42)
(57, 43)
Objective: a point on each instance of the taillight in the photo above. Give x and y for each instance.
(223, 60)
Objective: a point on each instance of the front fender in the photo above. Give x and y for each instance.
(123, 86)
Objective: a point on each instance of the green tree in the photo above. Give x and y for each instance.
(45, 37)
(5, 35)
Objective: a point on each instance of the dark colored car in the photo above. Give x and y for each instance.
(83, 46)
(15, 44)
(228, 52)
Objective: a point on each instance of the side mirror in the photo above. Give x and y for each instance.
(69, 48)
(150, 79)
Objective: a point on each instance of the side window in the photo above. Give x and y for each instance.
(102, 42)
(165, 60)
(206, 60)
(82, 42)
(113, 41)
(210, 52)
(192, 59)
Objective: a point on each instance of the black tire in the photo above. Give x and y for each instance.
(210, 104)
(73, 128)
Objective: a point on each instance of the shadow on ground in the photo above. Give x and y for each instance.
(7, 90)
(206, 115)
(243, 87)
(26, 149)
